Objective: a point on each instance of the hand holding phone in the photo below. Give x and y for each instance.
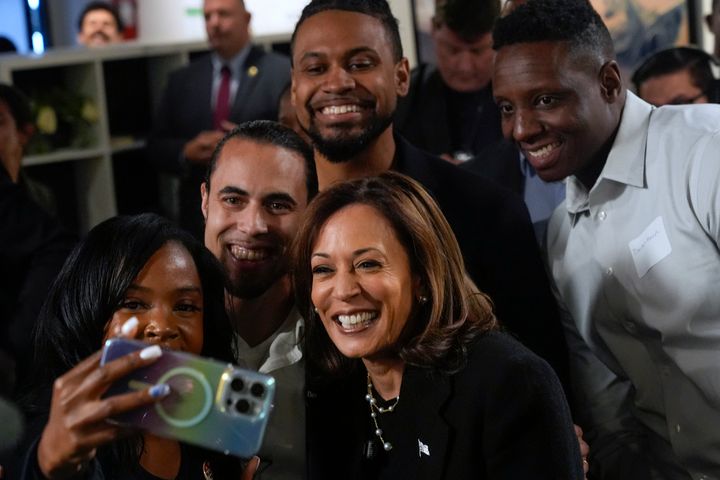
(211, 404)
(77, 424)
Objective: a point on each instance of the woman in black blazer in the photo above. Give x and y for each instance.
(409, 376)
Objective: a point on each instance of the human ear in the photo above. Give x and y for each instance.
(204, 193)
(402, 77)
(611, 81)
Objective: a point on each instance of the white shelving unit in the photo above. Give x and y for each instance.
(84, 71)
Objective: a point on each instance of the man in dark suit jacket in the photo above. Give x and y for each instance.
(449, 109)
(348, 71)
(188, 126)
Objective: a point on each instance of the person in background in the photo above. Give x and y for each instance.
(449, 109)
(441, 393)
(140, 277)
(259, 182)
(33, 246)
(633, 251)
(7, 45)
(677, 76)
(236, 82)
(99, 25)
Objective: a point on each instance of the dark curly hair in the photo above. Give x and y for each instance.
(572, 21)
(438, 332)
(469, 19)
(378, 9)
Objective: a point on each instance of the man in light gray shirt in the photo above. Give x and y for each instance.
(634, 249)
(261, 178)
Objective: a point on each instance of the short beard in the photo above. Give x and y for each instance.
(344, 148)
(245, 288)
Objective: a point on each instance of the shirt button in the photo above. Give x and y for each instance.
(609, 271)
(602, 215)
(677, 428)
(629, 326)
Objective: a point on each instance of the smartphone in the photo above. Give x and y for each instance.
(211, 404)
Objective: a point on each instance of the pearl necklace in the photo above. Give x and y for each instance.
(375, 409)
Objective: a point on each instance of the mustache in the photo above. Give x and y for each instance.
(100, 33)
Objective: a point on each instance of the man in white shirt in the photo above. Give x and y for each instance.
(634, 249)
(261, 178)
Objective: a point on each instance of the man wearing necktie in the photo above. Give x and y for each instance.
(236, 82)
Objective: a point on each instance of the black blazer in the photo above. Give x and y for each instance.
(422, 115)
(498, 244)
(185, 111)
(500, 163)
(503, 416)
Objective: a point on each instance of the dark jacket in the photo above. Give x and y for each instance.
(498, 245)
(423, 116)
(185, 111)
(33, 248)
(503, 416)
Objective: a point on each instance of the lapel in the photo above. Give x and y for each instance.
(417, 164)
(249, 79)
(429, 392)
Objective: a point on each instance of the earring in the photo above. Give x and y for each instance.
(422, 299)
(315, 309)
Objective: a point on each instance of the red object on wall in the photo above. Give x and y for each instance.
(128, 13)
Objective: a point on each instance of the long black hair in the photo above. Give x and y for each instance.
(91, 287)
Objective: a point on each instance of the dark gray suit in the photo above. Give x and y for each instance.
(185, 111)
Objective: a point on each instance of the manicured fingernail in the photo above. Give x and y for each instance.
(129, 326)
(150, 352)
(159, 390)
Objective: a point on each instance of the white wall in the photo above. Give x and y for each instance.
(180, 20)
(161, 21)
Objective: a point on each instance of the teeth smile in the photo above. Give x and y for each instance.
(356, 318)
(340, 109)
(242, 253)
(544, 151)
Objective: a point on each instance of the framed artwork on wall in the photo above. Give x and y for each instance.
(642, 27)
(638, 27)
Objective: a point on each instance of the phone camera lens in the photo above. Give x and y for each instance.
(242, 406)
(258, 390)
(237, 384)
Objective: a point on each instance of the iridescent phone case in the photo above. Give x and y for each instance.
(211, 404)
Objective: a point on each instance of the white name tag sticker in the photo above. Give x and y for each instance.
(651, 246)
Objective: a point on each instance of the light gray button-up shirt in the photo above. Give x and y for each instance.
(636, 262)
